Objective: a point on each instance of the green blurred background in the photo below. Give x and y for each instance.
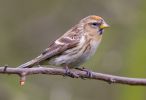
(28, 26)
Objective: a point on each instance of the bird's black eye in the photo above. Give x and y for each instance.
(95, 24)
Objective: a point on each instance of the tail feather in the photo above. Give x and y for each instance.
(31, 63)
(28, 64)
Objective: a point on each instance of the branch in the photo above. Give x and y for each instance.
(23, 72)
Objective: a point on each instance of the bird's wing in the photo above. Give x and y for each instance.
(57, 47)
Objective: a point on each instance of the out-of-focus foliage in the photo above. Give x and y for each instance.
(28, 26)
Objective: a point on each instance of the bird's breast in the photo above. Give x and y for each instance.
(77, 55)
(90, 49)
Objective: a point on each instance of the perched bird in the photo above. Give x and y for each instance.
(75, 47)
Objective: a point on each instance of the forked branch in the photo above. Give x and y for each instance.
(23, 72)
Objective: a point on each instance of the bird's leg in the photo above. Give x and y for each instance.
(69, 73)
(89, 72)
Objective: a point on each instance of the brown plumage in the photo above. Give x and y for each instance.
(74, 47)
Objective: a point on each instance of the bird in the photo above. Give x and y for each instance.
(74, 47)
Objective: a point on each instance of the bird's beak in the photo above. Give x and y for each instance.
(104, 25)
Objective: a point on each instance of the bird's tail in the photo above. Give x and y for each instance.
(31, 63)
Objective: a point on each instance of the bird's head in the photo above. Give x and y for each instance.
(94, 24)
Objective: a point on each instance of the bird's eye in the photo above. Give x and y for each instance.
(95, 24)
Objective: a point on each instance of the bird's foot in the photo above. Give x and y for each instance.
(88, 72)
(70, 73)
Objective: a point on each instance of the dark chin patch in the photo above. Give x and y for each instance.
(100, 31)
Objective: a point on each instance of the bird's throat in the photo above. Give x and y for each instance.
(100, 31)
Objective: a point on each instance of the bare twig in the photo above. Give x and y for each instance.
(23, 72)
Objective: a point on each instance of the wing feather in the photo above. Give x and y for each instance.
(54, 49)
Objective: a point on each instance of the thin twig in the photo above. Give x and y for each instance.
(23, 72)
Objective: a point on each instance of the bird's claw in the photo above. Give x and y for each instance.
(70, 73)
(88, 72)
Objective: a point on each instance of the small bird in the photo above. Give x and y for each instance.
(73, 48)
